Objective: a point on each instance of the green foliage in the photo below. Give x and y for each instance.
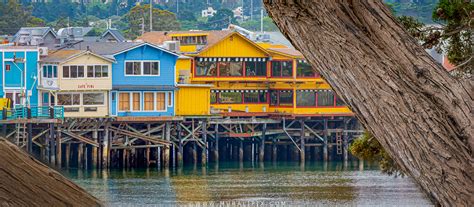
(13, 16)
(162, 20)
(254, 25)
(366, 147)
(220, 20)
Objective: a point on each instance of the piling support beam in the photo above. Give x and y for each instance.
(166, 148)
(79, 155)
(94, 149)
(180, 145)
(325, 141)
(52, 151)
(67, 154)
(195, 157)
(58, 148)
(30, 138)
(274, 149)
(105, 147)
(261, 153)
(205, 147)
(302, 143)
(345, 142)
(241, 151)
(216, 146)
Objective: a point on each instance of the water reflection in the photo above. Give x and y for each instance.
(288, 183)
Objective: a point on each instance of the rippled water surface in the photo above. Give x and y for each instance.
(247, 184)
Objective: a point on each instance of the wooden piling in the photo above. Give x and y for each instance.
(85, 157)
(302, 143)
(345, 142)
(79, 155)
(52, 148)
(241, 151)
(205, 147)
(94, 149)
(105, 147)
(216, 145)
(30, 138)
(274, 149)
(58, 148)
(261, 153)
(166, 148)
(195, 157)
(180, 145)
(325, 141)
(67, 153)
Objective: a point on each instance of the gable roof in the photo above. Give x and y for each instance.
(208, 46)
(29, 30)
(286, 52)
(60, 56)
(115, 33)
(160, 37)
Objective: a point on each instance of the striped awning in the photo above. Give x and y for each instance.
(231, 59)
(239, 91)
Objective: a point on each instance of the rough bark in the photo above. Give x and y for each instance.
(420, 114)
(25, 181)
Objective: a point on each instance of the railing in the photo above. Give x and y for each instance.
(35, 112)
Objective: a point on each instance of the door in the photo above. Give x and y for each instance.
(113, 103)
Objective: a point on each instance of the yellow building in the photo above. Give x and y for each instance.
(78, 80)
(248, 78)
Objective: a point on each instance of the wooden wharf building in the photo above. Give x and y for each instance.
(219, 97)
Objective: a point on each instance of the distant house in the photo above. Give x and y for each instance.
(112, 35)
(35, 36)
(238, 13)
(209, 12)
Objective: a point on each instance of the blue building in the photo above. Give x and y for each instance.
(143, 78)
(19, 66)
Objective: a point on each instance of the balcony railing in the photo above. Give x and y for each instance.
(36, 112)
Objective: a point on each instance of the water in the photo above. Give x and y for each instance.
(230, 184)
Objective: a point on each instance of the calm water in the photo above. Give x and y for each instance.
(232, 184)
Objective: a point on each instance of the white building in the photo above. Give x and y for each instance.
(209, 12)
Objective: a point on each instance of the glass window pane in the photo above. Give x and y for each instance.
(98, 71)
(262, 97)
(206, 69)
(325, 98)
(73, 71)
(170, 99)
(45, 71)
(66, 72)
(339, 101)
(149, 101)
(129, 68)
(160, 101)
(273, 98)
(80, 71)
(137, 68)
(305, 98)
(213, 97)
(90, 71)
(64, 99)
(93, 98)
(147, 68)
(251, 97)
(286, 98)
(304, 69)
(155, 69)
(224, 69)
(50, 71)
(105, 71)
(124, 102)
(76, 99)
(276, 68)
(287, 68)
(136, 102)
(55, 71)
(230, 97)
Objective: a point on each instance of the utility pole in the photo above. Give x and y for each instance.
(251, 9)
(151, 15)
(177, 8)
(261, 20)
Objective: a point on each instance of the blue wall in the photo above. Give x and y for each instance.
(165, 82)
(145, 52)
(13, 78)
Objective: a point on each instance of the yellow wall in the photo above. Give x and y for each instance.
(240, 107)
(193, 100)
(102, 110)
(234, 46)
(81, 84)
(183, 64)
(188, 48)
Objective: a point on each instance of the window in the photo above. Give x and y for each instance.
(191, 40)
(213, 97)
(325, 98)
(151, 68)
(255, 68)
(149, 101)
(282, 68)
(142, 68)
(124, 101)
(93, 98)
(73, 71)
(135, 101)
(68, 99)
(304, 69)
(230, 97)
(133, 68)
(205, 68)
(160, 101)
(255, 97)
(50, 71)
(305, 98)
(97, 71)
(229, 69)
(281, 98)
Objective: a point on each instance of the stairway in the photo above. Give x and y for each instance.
(21, 138)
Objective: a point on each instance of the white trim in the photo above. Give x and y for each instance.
(147, 44)
(141, 68)
(142, 101)
(90, 92)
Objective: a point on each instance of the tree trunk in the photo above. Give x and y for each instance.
(420, 114)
